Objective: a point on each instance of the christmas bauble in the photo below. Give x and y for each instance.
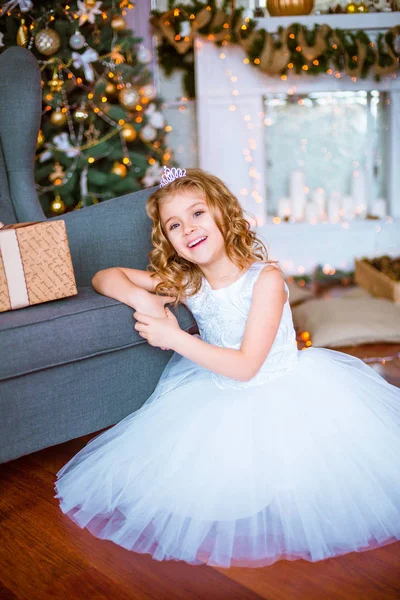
(110, 89)
(128, 97)
(144, 55)
(47, 41)
(40, 139)
(77, 40)
(148, 133)
(55, 84)
(90, 3)
(118, 23)
(280, 8)
(351, 7)
(149, 91)
(58, 117)
(119, 169)
(128, 132)
(22, 34)
(80, 115)
(57, 207)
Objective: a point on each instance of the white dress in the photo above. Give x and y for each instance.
(303, 461)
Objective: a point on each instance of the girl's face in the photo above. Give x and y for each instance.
(191, 229)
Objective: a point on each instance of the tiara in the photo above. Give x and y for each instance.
(171, 174)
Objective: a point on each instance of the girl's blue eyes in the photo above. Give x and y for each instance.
(198, 212)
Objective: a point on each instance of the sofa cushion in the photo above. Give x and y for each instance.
(66, 330)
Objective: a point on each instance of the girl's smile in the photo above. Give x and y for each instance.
(191, 229)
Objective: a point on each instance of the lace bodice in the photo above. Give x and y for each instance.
(221, 317)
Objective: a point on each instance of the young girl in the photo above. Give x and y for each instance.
(248, 450)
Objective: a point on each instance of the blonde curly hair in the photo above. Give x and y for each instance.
(180, 277)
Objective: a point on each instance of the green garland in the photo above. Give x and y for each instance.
(294, 49)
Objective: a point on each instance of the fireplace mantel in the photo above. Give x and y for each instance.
(231, 119)
(367, 21)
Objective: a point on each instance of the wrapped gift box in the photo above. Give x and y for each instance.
(35, 264)
(377, 283)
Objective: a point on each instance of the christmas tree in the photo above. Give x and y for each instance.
(102, 133)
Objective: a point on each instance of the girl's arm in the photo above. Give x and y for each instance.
(267, 303)
(132, 287)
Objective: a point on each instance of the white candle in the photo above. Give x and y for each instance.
(318, 199)
(334, 206)
(379, 208)
(297, 193)
(358, 191)
(284, 207)
(347, 207)
(311, 211)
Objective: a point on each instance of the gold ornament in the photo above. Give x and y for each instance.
(119, 169)
(92, 134)
(55, 84)
(281, 8)
(111, 89)
(128, 97)
(351, 7)
(118, 23)
(362, 8)
(57, 207)
(80, 115)
(47, 41)
(128, 132)
(58, 174)
(22, 34)
(58, 117)
(40, 139)
(116, 55)
(90, 3)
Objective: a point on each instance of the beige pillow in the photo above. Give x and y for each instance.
(298, 294)
(357, 318)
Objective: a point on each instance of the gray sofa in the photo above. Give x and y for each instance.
(76, 365)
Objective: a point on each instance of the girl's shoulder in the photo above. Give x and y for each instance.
(265, 267)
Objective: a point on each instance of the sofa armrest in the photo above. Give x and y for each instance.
(112, 233)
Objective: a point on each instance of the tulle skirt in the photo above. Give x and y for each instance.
(304, 466)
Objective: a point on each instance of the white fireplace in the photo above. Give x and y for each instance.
(265, 138)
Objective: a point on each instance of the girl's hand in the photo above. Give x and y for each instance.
(159, 332)
(152, 305)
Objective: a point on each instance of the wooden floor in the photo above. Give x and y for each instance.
(45, 555)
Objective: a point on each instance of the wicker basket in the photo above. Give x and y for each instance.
(375, 282)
